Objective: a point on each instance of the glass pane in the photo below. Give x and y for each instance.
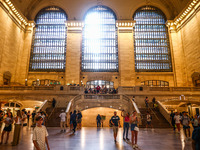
(152, 53)
(48, 50)
(99, 47)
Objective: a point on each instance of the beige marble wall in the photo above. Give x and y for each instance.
(186, 50)
(73, 56)
(89, 116)
(11, 45)
(126, 58)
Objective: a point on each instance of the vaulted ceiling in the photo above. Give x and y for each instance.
(77, 8)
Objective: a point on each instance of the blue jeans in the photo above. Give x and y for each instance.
(98, 123)
(126, 127)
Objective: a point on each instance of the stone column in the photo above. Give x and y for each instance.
(177, 55)
(73, 52)
(126, 52)
(24, 55)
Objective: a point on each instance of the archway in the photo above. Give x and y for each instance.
(89, 116)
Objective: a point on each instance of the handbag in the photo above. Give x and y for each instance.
(136, 129)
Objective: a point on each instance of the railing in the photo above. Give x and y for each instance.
(53, 110)
(43, 106)
(164, 111)
(101, 96)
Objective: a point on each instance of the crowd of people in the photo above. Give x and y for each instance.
(182, 118)
(99, 90)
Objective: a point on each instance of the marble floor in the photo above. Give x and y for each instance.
(91, 138)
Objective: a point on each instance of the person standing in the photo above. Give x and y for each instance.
(98, 119)
(149, 119)
(8, 126)
(28, 117)
(154, 102)
(134, 132)
(17, 130)
(195, 122)
(73, 119)
(126, 124)
(172, 120)
(53, 103)
(70, 121)
(40, 135)
(62, 121)
(33, 116)
(115, 121)
(147, 102)
(79, 119)
(185, 123)
(177, 119)
(196, 139)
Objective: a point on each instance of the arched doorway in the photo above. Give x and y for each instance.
(89, 116)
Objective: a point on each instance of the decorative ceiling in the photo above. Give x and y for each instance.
(77, 8)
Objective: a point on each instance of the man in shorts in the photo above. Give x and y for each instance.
(185, 122)
(115, 121)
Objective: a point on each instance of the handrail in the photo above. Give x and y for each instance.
(43, 104)
(164, 111)
(70, 103)
(154, 113)
(53, 110)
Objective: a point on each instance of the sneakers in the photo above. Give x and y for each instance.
(127, 139)
(134, 146)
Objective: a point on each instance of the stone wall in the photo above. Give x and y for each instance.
(186, 50)
(11, 45)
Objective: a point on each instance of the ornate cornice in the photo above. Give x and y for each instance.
(16, 16)
(183, 18)
(74, 26)
(125, 25)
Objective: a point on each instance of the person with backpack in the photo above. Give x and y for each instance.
(149, 119)
(185, 122)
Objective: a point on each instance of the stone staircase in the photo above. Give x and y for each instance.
(53, 118)
(158, 121)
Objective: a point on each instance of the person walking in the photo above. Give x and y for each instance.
(28, 117)
(40, 135)
(146, 102)
(186, 126)
(177, 119)
(98, 119)
(134, 129)
(115, 121)
(172, 120)
(62, 121)
(79, 119)
(196, 139)
(8, 127)
(126, 124)
(17, 130)
(73, 119)
(149, 119)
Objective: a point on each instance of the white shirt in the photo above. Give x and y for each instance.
(18, 120)
(39, 135)
(177, 118)
(62, 116)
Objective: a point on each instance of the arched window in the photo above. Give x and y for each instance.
(99, 47)
(49, 41)
(152, 52)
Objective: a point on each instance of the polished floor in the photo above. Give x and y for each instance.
(91, 138)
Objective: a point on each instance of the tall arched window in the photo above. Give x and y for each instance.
(99, 47)
(49, 41)
(152, 51)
